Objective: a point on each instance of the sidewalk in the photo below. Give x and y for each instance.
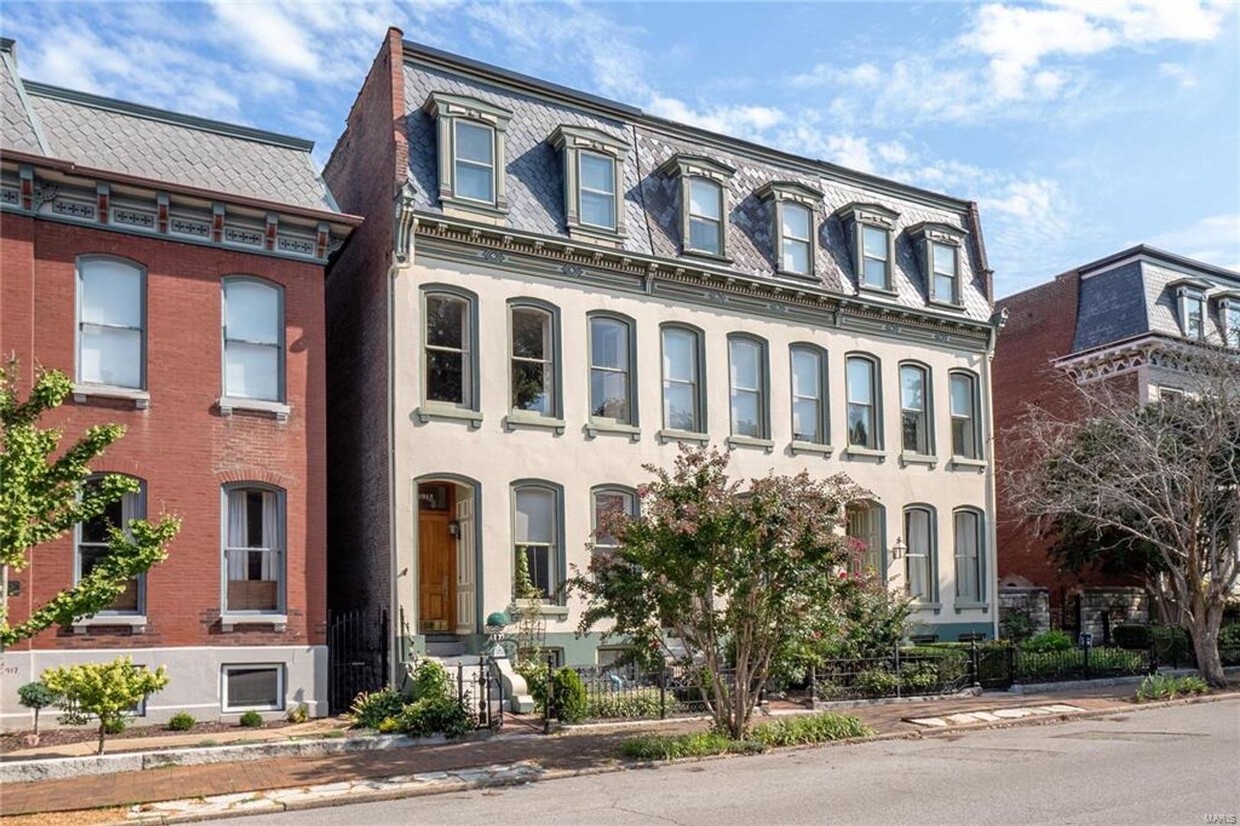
(593, 748)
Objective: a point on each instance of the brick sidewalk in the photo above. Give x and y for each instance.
(575, 750)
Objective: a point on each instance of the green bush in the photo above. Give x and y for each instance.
(876, 682)
(1046, 642)
(181, 721)
(388, 725)
(116, 725)
(371, 708)
(435, 715)
(920, 678)
(642, 703)
(570, 696)
(36, 696)
(675, 747)
(1016, 625)
(1132, 637)
(1166, 687)
(1229, 636)
(816, 728)
(1171, 644)
(252, 719)
(299, 713)
(535, 674)
(430, 679)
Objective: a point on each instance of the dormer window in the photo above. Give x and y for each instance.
(940, 249)
(1229, 318)
(593, 181)
(470, 134)
(703, 229)
(870, 231)
(1191, 298)
(792, 216)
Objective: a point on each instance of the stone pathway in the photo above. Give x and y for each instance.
(327, 794)
(997, 715)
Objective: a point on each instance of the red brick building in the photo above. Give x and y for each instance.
(174, 267)
(1123, 318)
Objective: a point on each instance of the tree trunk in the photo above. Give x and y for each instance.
(102, 731)
(1204, 634)
(36, 722)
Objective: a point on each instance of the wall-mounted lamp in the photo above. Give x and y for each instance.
(454, 528)
(897, 550)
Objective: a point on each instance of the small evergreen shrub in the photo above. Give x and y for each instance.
(36, 696)
(876, 682)
(642, 703)
(570, 696)
(1047, 642)
(181, 721)
(435, 708)
(252, 719)
(299, 713)
(369, 709)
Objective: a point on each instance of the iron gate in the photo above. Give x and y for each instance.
(357, 654)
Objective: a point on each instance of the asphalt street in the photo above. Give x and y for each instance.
(1178, 765)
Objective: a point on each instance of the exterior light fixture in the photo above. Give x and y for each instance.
(897, 550)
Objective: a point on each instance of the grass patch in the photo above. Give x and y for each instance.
(793, 731)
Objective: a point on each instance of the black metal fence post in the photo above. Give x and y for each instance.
(974, 670)
(1011, 665)
(663, 693)
(813, 684)
(548, 695)
(1153, 668)
(1087, 646)
(899, 678)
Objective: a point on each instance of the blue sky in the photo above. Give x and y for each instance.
(1080, 126)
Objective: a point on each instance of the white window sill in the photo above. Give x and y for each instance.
(765, 445)
(961, 461)
(857, 452)
(518, 418)
(972, 606)
(595, 427)
(874, 289)
(431, 411)
(455, 203)
(136, 623)
(546, 609)
(278, 622)
(936, 607)
(670, 435)
(592, 234)
(84, 392)
(230, 404)
(909, 458)
(810, 447)
(955, 306)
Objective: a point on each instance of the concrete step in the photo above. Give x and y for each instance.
(442, 650)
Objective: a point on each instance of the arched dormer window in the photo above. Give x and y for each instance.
(703, 204)
(471, 141)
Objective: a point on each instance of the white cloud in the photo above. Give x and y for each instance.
(271, 32)
(748, 122)
(1180, 73)
(1215, 240)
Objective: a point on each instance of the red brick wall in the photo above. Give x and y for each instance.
(1040, 328)
(365, 172)
(180, 445)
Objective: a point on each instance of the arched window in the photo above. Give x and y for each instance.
(747, 383)
(253, 328)
(864, 521)
(684, 406)
(919, 554)
(613, 364)
(537, 511)
(609, 501)
(93, 538)
(810, 415)
(450, 364)
(254, 546)
(966, 434)
(705, 216)
(864, 408)
(111, 309)
(475, 161)
(969, 541)
(534, 350)
(916, 421)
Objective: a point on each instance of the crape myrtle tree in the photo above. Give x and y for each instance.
(44, 494)
(1158, 483)
(719, 576)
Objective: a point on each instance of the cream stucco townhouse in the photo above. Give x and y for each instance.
(551, 289)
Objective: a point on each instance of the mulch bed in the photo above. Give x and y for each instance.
(12, 741)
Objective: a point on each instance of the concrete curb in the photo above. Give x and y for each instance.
(59, 768)
(620, 765)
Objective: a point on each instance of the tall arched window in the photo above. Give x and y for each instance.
(450, 363)
(810, 415)
(919, 554)
(966, 434)
(111, 309)
(864, 521)
(253, 327)
(254, 546)
(747, 382)
(93, 538)
(684, 406)
(534, 349)
(969, 540)
(613, 364)
(916, 421)
(537, 516)
(609, 501)
(864, 408)
(705, 216)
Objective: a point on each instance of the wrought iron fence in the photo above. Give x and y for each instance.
(357, 654)
(902, 673)
(480, 692)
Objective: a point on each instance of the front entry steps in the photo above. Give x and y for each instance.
(441, 646)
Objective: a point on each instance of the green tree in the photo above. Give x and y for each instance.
(104, 691)
(36, 696)
(722, 577)
(44, 495)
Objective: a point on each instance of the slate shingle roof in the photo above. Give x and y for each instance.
(162, 146)
(651, 198)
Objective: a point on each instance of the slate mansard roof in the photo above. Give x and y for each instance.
(535, 184)
(1133, 293)
(153, 144)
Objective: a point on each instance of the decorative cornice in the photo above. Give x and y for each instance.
(1154, 351)
(684, 165)
(461, 106)
(406, 221)
(584, 137)
(863, 212)
(790, 191)
(935, 231)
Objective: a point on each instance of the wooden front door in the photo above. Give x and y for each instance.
(436, 558)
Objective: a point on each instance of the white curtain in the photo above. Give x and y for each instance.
(272, 538)
(236, 534)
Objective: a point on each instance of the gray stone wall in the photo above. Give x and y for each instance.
(1036, 602)
(1103, 607)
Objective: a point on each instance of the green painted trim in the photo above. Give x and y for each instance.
(560, 575)
(474, 404)
(764, 390)
(603, 424)
(876, 377)
(701, 395)
(928, 393)
(951, 631)
(557, 365)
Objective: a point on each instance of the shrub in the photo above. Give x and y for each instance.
(388, 725)
(1192, 685)
(1047, 642)
(1132, 637)
(1229, 636)
(535, 674)
(816, 728)
(1165, 687)
(435, 715)
(675, 747)
(371, 708)
(299, 713)
(920, 678)
(630, 705)
(36, 696)
(181, 721)
(1017, 625)
(252, 719)
(430, 679)
(1170, 643)
(570, 696)
(876, 682)
(105, 691)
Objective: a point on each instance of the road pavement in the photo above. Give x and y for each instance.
(1177, 765)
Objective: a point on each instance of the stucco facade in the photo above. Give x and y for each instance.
(527, 249)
